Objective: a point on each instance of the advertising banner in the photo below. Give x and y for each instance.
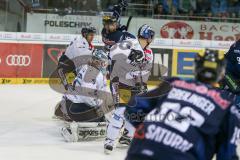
(24, 80)
(183, 62)
(162, 59)
(171, 29)
(199, 30)
(21, 60)
(29, 61)
(50, 58)
(51, 54)
(54, 23)
(195, 30)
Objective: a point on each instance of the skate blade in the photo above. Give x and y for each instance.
(107, 152)
(122, 146)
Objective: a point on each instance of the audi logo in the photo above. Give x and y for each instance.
(18, 60)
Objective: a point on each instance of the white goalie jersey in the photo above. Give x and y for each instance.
(89, 81)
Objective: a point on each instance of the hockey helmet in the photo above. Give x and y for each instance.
(146, 32)
(100, 59)
(111, 17)
(209, 66)
(87, 30)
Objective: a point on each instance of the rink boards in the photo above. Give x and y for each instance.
(30, 58)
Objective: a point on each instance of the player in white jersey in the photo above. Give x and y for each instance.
(89, 98)
(79, 49)
(131, 66)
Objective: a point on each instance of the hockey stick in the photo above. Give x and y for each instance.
(141, 78)
(128, 22)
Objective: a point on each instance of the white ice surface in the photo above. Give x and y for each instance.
(28, 132)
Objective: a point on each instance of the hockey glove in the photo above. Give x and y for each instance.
(123, 3)
(123, 28)
(136, 57)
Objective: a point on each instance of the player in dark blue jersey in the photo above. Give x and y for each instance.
(186, 119)
(113, 32)
(232, 77)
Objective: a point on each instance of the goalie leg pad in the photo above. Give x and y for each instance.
(77, 131)
(91, 133)
(70, 132)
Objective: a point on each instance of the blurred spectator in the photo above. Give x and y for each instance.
(186, 5)
(63, 5)
(218, 6)
(159, 10)
(224, 17)
(88, 5)
(75, 5)
(202, 7)
(217, 17)
(3, 4)
(36, 4)
(108, 4)
(233, 15)
(193, 4)
(174, 12)
(191, 14)
(169, 4)
(214, 10)
(209, 17)
(234, 6)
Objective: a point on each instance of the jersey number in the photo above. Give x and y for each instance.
(179, 117)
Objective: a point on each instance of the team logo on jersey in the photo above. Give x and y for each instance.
(18, 60)
(177, 30)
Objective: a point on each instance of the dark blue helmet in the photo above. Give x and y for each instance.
(209, 66)
(113, 15)
(146, 32)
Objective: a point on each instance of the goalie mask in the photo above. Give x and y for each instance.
(100, 60)
(210, 66)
